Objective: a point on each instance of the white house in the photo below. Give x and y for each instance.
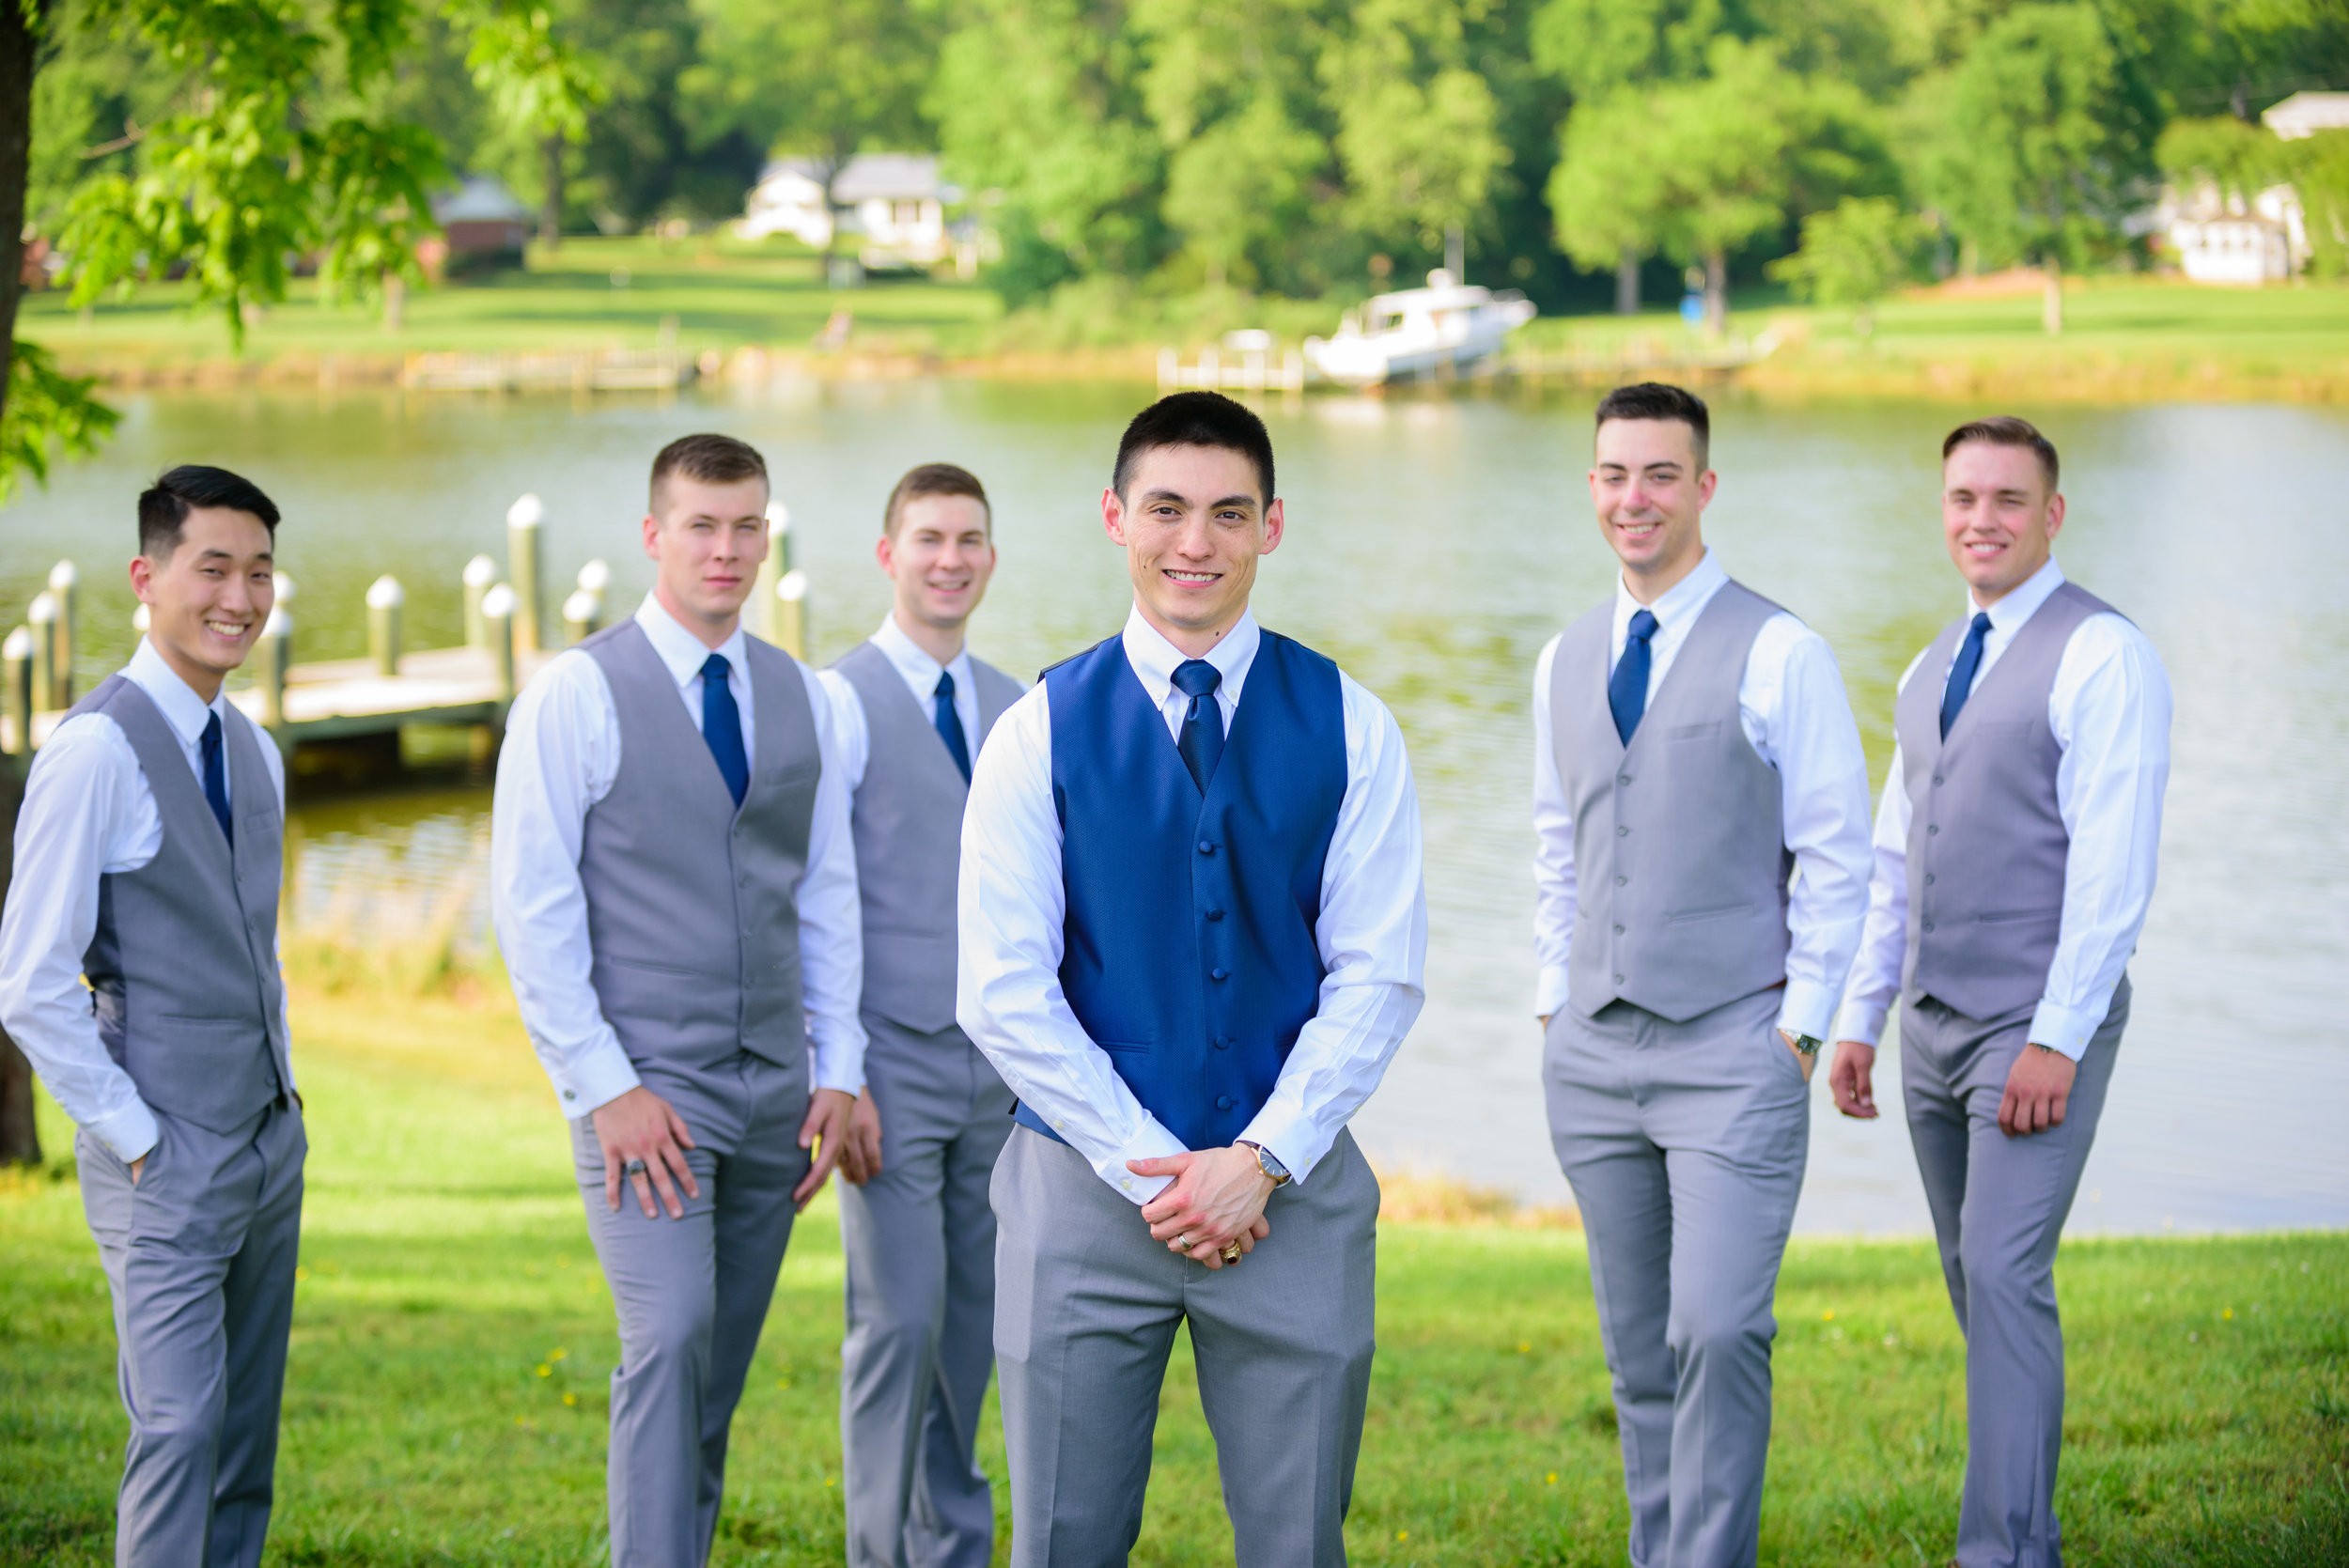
(892, 204)
(2305, 114)
(2227, 237)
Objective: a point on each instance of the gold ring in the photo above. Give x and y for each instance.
(1230, 1253)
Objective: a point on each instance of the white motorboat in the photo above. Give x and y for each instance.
(1417, 331)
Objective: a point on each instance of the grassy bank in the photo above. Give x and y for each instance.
(446, 1396)
(760, 307)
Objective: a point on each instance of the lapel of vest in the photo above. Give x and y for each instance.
(997, 692)
(662, 711)
(2046, 622)
(895, 693)
(1266, 667)
(1672, 683)
(169, 776)
(776, 681)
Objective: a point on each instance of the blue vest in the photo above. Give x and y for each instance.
(1189, 953)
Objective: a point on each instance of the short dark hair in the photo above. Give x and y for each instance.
(165, 505)
(710, 459)
(932, 480)
(1195, 419)
(1661, 400)
(2006, 430)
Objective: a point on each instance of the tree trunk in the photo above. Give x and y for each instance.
(832, 213)
(1628, 282)
(1715, 293)
(2051, 301)
(19, 1140)
(16, 45)
(551, 206)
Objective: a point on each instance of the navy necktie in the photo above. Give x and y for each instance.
(949, 723)
(216, 776)
(1627, 688)
(1202, 742)
(1961, 684)
(721, 726)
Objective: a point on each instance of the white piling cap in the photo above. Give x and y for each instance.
(279, 623)
(792, 586)
(778, 518)
(42, 610)
(498, 603)
(141, 619)
(584, 605)
(480, 572)
(595, 575)
(63, 576)
(385, 592)
(19, 644)
(282, 585)
(529, 512)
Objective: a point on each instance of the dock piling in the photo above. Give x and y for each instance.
(272, 657)
(16, 700)
(41, 616)
(583, 615)
(497, 623)
(385, 599)
(788, 607)
(766, 611)
(479, 573)
(524, 546)
(65, 584)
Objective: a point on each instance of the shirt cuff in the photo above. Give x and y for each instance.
(1151, 1140)
(2066, 1028)
(594, 1077)
(1862, 1021)
(836, 1055)
(1808, 1008)
(1549, 992)
(1289, 1137)
(131, 1132)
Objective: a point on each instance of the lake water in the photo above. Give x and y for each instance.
(1434, 545)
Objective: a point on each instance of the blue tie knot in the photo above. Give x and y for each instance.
(1196, 677)
(716, 668)
(946, 685)
(1643, 625)
(1981, 627)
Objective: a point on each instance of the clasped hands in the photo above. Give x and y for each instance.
(2038, 1087)
(640, 1130)
(1217, 1201)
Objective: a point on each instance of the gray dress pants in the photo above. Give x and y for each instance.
(1685, 1144)
(1999, 1206)
(692, 1295)
(920, 1242)
(199, 1256)
(1085, 1312)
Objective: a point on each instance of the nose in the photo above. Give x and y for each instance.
(1196, 542)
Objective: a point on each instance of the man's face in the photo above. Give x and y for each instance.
(939, 560)
(208, 598)
(1193, 522)
(1650, 489)
(707, 541)
(1999, 515)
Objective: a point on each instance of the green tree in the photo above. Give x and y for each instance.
(1418, 131)
(1609, 193)
(539, 86)
(1853, 254)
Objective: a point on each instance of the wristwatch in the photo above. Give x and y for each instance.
(1265, 1162)
(1808, 1045)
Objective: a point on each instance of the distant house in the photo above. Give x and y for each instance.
(484, 223)
(2226, 237)
(891, 206)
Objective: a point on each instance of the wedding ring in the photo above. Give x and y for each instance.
(1182, 1243)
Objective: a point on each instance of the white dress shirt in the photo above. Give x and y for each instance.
(561, 756)
(1372, 934)
(2110, 709)
(920, 673)
(1792, 706)
(89, 812)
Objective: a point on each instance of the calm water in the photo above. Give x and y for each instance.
(1433, 547)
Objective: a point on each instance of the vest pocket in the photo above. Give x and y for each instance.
(1124, 1048)
(1717, 911)
(2002, 917)
(1694, 732)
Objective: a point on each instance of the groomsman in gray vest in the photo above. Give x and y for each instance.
(675, 891)
(147, 861)
(1701, 805)
(2014, 854)
(914, 709)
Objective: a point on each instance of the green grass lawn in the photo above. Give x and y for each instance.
(446, 1401)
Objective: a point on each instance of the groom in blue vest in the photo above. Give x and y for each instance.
(1192, 933)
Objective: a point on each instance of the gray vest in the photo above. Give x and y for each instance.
(1986, 842)
(909, 839)
(692, 904)
(183, 966)
(1680, 858)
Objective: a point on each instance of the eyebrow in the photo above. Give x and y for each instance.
(1153, 497)
(215, 553)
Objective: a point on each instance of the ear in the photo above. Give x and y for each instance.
(1708, 483)
(143, 578)
(885, 551)
(652, 537)
(1113, 516)
(2055, 516)
(1275, 523)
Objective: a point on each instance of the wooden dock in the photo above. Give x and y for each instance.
(507, 641)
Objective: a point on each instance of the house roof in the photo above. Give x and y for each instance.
(870, 176)
(479, 198)
(2305, 114)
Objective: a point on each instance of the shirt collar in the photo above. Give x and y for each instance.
(913, 662)
(1153, 658)
(182, 708)
(1678, 604)
(679, 650)
(2023, 603)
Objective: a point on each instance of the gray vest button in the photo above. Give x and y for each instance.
(1623, 832)
(1621, 880)
(1622, 778)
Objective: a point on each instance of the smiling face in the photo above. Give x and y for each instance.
(208, 597)
(1193, 521)
(1649, 487)
(2000, 517)
(705, 541)
(940, 558)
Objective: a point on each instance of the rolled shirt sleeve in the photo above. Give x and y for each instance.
(832, 926)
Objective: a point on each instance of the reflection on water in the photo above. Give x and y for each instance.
(1434, 547)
